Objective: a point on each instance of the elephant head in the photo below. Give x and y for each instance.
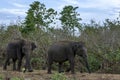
(80, 50)
(27, 48)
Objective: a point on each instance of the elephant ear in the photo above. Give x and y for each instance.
(33, 45)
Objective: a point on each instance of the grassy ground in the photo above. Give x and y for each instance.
(42, 75)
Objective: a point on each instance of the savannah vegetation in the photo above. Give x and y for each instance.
(45, 26)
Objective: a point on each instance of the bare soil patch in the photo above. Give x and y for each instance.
(42, 75)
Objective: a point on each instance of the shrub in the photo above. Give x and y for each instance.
(58, 76)
(94, 63)
(36, 62)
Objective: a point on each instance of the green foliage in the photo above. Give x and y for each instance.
(38, 17)
(36, 63)
(94, 63)
(34, 17)
(70, 18)
(1, 77)
(103, 44)
(50, 17)
(16, 78)
(117, 56)
(58, 76)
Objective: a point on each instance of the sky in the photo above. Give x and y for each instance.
(98, 10)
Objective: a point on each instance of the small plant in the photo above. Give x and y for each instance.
(1, 77)
(94, 63)
(16, 78)
(58, 76)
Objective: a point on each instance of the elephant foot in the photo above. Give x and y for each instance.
(72, 72)
(43, 68)
(4, 68)
(19, 70)
(61, 71)
(81, 71)
(89, 72)
(14, 69)
(49, 72)
(8, 63)
(68, 70)
(30, 70)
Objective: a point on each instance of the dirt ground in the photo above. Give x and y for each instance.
(42, 75)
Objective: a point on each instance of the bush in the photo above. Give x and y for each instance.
(94, 63)
(58, 76)
(36, 62)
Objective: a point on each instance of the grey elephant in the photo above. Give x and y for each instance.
(18, 49)
(62, 51)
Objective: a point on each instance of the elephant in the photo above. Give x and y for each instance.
(62, 51)
(18, 49)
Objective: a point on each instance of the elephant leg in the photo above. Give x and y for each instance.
(60, 65)
(28, 67)
(68, 70)
(19, 64)
(72, 65)
(5, 65)
(49, 67)
(14, 64)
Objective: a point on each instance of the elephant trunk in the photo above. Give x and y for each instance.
(28, 64)
(86, 64)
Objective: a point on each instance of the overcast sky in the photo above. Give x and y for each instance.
(88, 9)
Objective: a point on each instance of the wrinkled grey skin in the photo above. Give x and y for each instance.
(16, 51)
(65, 51)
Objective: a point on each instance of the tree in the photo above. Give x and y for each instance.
(38, 17)
(50, 16)
(70, 19)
